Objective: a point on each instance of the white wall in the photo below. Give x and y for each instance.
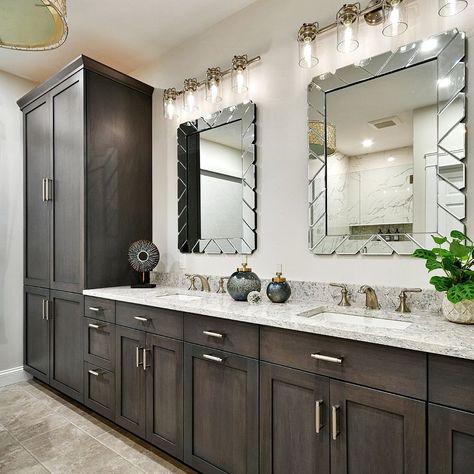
(11, 221)
(278, 86)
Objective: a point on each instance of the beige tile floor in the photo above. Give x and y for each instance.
(41, 431)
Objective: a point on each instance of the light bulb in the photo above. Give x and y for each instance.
(214, 92)
(395, 17)
(307, 53)
(170, 109)
(451, 7)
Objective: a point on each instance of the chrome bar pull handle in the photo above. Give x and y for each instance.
(335, 421)
(96, 373)
(141, 319)
(325, 358)
(213, 334)
(44, 190)
(145, 364)
(95, 326)
(47, 310)
(95, 309)
(317, 416)
(213, 358)
(137, 357)
(49, 194)
(43, 310)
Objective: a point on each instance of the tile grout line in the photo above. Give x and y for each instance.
(27, 450)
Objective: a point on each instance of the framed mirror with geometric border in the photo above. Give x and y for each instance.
(446, 53)
(217, 181)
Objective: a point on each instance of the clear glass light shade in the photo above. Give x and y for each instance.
(240, 80)
(451, 7)
(214, 90)
(170, 108)
(396, 19)
(307, 53)
(190, 101)
(347, 31)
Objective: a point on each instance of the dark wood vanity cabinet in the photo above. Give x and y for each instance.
(220, 411)
(87, 185)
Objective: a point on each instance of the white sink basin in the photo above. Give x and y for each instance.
(179, 297)
(366, 321)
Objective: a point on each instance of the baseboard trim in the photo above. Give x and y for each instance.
(14, 375)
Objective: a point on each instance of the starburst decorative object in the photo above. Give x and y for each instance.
(143, 257)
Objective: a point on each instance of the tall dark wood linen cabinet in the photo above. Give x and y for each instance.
(87, 196)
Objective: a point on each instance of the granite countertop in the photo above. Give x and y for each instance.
(428, 332)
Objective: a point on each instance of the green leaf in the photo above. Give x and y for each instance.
(424, 253)
(441, 252)
(459, 250)
(439, 240)
(455, 234)
(433, 264)
(441, 284)
(461, 292)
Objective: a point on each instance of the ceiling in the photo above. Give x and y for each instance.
(397, 94)
(122, 33)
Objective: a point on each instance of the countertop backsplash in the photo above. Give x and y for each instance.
(427, 300)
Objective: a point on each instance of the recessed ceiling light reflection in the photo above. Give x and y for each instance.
(367, 143)
(391, 158)
(429, 45)
(444, 82)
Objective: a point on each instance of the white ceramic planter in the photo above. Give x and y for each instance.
(462, 313)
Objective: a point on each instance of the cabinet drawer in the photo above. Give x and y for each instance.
(147, 318)
(99, 343)
(451, 382)
(232, 336)
(99, 308)
(99, 390)
(386, 368)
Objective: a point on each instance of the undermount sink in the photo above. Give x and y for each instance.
(179, 297)
(366, 321)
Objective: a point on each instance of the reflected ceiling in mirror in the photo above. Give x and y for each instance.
(387, 150)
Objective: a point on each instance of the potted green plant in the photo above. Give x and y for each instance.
(455, 258)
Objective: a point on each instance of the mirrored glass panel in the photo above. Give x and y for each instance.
(216, 182)
(387, 150)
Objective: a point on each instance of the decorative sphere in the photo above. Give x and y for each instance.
(240, 284)
(254, 297)
(278, 292)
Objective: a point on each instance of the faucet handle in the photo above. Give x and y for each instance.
(192, 280)
(344, 294)
(221, 288)
(403, 306)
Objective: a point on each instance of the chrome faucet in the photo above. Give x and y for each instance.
(344, 294)
(204, 282)
(371, 300)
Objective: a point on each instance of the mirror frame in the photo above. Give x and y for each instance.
(189, 238)
(449, 53)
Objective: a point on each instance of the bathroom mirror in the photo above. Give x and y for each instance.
(217, 181)
(386, 150)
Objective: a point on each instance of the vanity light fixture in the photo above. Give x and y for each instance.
(240, 74)
(395, 14)
(307, 45)
(213, 84)
(190, 91)
(451, 7)
(347, 19)
(170, 108)
(392, 13)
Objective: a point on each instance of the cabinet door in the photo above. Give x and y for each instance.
(67, 268)
(451, 441)
(375, 432)
(37, 150)
(294, 422)
(130, 380)
(163, 365)
(66, 354)
(36, 332)
(220, 411)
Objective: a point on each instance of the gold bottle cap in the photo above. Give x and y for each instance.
(244, 268)
(278, 278)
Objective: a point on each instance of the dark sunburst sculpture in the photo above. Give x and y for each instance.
(143, 257)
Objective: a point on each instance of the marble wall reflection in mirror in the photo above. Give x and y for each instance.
(216, 182)
(387, 150)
